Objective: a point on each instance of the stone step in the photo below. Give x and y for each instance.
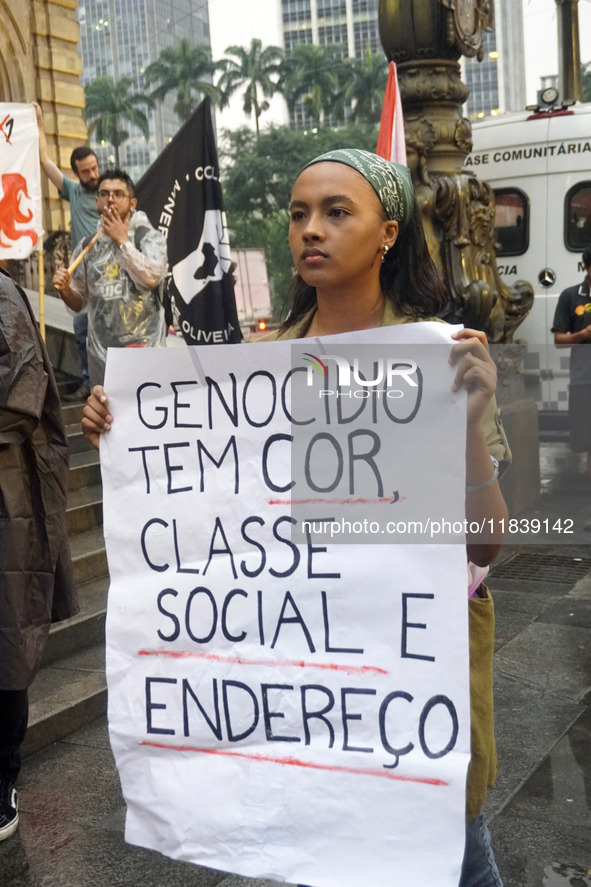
(77, 442)
(85, 509)
(86, 629)
(85, 469)
(72, 413)
(65, 696)
(66, 383)
(88, 555)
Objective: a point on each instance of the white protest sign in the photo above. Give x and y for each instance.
(282, 710)
(20, 181)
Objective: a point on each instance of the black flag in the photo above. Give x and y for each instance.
(182, 196)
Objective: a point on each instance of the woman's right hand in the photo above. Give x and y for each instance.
(96, 418)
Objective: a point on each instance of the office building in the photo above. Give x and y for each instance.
(351, 25)
(120, 38)
(497, 83)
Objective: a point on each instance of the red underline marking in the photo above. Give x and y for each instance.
(384, 501)
(297, 663)
(294, 762)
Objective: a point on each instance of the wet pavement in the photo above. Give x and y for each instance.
(72, 811)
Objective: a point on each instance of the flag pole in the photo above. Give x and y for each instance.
(41, 275)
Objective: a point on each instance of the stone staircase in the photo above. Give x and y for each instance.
(70, 688)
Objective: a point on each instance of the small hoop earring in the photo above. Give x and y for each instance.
(385, 253)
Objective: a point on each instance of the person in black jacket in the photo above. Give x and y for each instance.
(36, 575)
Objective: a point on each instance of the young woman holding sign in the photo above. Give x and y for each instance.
(362, 261)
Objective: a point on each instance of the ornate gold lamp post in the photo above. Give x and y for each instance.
(426, 38)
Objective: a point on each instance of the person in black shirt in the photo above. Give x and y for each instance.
(572, 326)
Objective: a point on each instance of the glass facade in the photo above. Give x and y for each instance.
(482, 80)
(332, 25)
(365, 8)
(334, 35)
(290, 38)
(296, 11)
(120, 38)
(365, 27)
(366, 37)
(331, 9)
(497, 83)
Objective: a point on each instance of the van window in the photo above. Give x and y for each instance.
(577, 217)
(511, 222)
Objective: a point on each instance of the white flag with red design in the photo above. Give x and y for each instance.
(391, 144)
(20, 181)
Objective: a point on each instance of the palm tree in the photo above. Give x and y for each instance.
(187, 70)
(109, 106)
(366, 85)
(254, 68)
(313, 75)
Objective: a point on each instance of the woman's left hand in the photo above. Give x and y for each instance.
(96, 418)
(477, 373)
(476, 370)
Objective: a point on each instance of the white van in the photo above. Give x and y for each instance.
(539, 166)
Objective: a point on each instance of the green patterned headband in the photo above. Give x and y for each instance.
(391, 181)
